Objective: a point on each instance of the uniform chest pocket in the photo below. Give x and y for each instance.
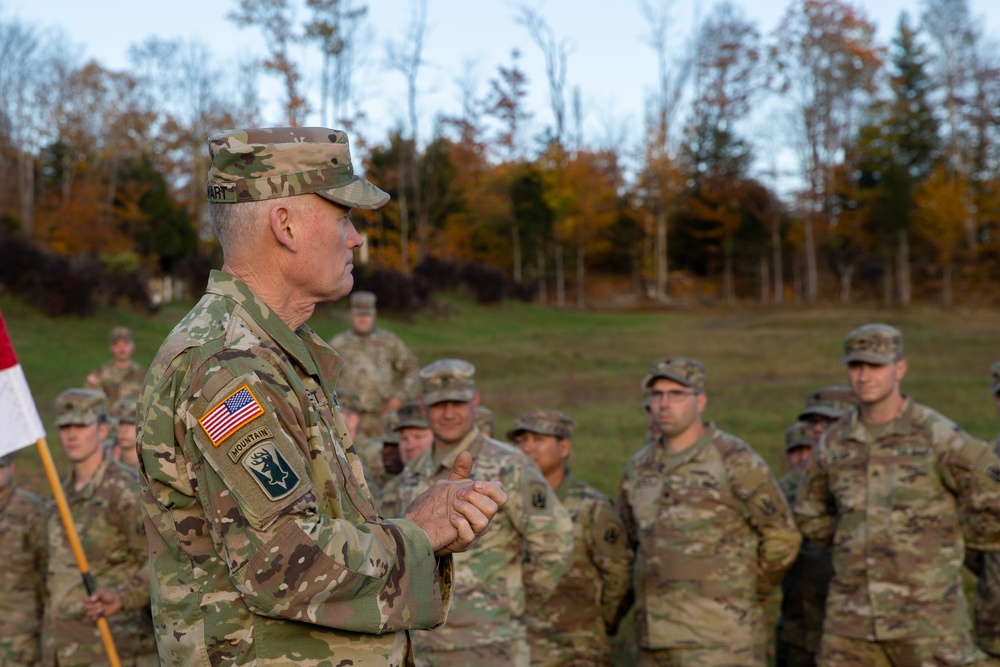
(646, 498)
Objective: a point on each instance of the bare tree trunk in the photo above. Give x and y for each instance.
(888, 289)
(728, 291)
(26, 187)
(543, 292)
(515, 233)
(903, 268)
(763, 277)
(662, 267)
(560, 275)
(404, 216)
(779, 271)
(811, 278)
(796, 279)
(946, 295)
(581, 276)
(845, 283)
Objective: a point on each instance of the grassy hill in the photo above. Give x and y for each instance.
(589, 364)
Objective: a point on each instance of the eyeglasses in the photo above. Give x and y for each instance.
(672, 396)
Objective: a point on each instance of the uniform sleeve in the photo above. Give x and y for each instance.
(769, 517)
(288, 556)
(971, 470)
(546, 528)
(612, 555)
(408, 370)
(815, 510)
(134, 591)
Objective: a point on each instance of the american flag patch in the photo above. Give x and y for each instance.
(228, 416)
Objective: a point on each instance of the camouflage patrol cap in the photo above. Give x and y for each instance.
(878, 344)
(266, 163)
(543, 422)
(410, 415)
(688, 372)
(348, 400)
(995, 375)
(79, 407)
(795, 436)
(123, 409)
(121, 333)
(448, 380)
(390, 434)
(363, 303)
(832, 402)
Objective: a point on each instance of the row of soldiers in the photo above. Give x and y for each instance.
(866, 535)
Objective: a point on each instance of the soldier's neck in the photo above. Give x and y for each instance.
(556, 477)
(83, 471)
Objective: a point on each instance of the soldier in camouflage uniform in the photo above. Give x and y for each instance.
(266, 544)
(571, 628)
(380, 369)
(803, 600)
(369, 449)
(120, 375)
(493, 579)
(413, 436)
(897, 491)
(103, 497)
(122, 415)
(712, 532)
(485, 421)
(987, 606)
(24, 554)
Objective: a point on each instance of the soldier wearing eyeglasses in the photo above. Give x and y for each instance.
(712, 531)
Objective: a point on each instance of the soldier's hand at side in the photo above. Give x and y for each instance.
(103, 601)
(456, 512)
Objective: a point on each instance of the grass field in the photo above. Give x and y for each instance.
(760, 364)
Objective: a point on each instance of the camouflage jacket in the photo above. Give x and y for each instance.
(804, 588)
(893, 510)
(24, 554)
(109, 522)
(987, 605)
(378, 367)
(491, 579)
(713, 536)
(265, 542)
(117, 382)
(572, 626)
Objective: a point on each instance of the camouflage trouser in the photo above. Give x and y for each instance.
(514, 653)
(941, 651)
(749, 656)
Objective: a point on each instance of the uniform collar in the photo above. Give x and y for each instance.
(901, 425)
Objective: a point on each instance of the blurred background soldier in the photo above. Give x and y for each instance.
(712, 531)
(24, 554)
(485, 421)
(987, 566)
(379, 367)
(121, 414)
(412, 438)
(571, 628)
(120, 375)
(803, 601)
(369, 450)
(897, 490)
(524, 553)
(103, 497)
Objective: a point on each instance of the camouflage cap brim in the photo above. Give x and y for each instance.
(866, 357)
(358, 194)
(77, 419)
(820, 411)
(442, 395)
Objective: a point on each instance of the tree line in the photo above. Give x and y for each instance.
(897, 152)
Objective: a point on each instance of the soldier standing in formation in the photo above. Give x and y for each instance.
(904, 490)
(524, 553)
(120, 375)
(380, 369)
(712, 532)
(987, 566)
(24, 554)
(265, 541)
(571, 628)
(803, 600)
(122, 414)
(103, 497)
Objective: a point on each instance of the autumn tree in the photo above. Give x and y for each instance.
(825, 59)
(942, 206)
(274, 18)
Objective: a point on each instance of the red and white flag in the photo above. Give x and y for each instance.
(20, 425)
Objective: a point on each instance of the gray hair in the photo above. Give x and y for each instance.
(234, 223)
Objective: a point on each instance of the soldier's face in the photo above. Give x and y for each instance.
(873, 383)
(547, 451)
(122, 349)
(363, 323)
(676, 409)
(800, 458)
(391, 460)
(451, 421)
(325, 257)
(816, 426)
(413, 441)
(81, 442)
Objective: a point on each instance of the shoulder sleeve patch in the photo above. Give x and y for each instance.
(271, 471)
(230, 415)
(538, 495)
